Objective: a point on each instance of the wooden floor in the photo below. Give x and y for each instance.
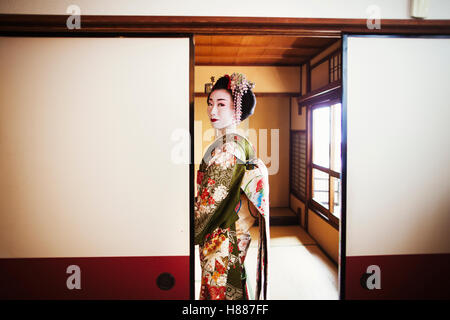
(298, 269)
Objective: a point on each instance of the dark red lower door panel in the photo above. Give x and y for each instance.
(417, 276)
(165, 277)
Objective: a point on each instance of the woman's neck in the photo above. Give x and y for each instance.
(226, 130)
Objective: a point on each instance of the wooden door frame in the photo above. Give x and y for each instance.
(307, 27)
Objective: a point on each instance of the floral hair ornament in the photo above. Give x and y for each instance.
(239, 85)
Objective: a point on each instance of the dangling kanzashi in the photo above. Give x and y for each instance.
(239, 85)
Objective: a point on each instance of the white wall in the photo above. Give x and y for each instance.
(389, 9)
(266, 78)
(398, 147)
(85, 143)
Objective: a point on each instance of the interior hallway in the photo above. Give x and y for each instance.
(299, 270)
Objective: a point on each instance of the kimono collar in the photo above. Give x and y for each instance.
(236, 138)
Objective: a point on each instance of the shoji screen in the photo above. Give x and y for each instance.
(397, 108)
(94, 187)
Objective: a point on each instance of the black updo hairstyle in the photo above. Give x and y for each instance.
(248, 99)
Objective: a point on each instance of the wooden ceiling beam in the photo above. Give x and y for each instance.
(268, 64)
(261, 56)
(314, 47)
(306, 27)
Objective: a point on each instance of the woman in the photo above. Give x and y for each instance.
(232, 192)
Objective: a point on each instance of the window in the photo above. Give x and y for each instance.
(326, 159)
(298, 174)
(335, 67)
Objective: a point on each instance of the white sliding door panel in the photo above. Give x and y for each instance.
(398, 146)
(86, 146)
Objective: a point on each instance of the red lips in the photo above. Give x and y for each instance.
(213, 120)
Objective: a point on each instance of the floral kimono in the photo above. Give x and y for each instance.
(230, 170)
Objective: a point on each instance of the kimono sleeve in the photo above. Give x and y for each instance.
(255, 184)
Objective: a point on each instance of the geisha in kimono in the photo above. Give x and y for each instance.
(232, 193)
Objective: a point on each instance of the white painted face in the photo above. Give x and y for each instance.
(220, 109)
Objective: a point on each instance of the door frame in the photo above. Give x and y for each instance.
(142, 25)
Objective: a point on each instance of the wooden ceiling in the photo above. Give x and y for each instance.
(228, 50)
